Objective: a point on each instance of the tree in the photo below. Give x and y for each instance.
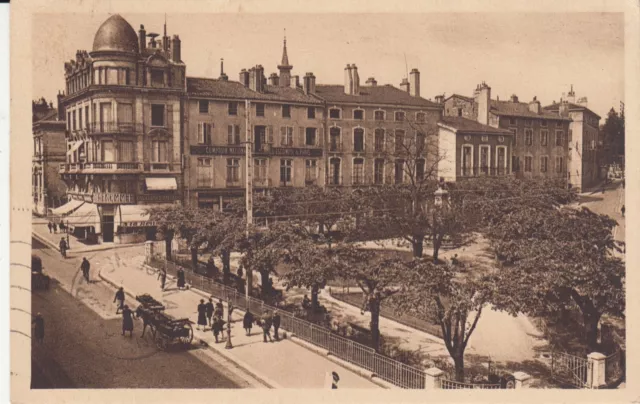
(558, 258)
(614, 133)
(439, 292)
(185, 222)
(222, 232)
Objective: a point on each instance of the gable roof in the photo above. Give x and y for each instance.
(464, 97)
(572, 107)
(216, 88)
(385, 94)
(521, 109)
(465, 125)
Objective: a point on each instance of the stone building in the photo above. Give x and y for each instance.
(584, 130)
(49, 146)
(540, 141)
(123, 104)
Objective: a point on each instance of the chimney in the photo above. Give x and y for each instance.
(142, 37)
(571, 97)
(404, 85)
(583, 102)
(295, 81)
(348, 80)
(244, 77)
(514, 98)
(356, 80)
(483, 101)
(256, 78)
(61, 113)
(439, 99)
(371, 82)
(414, 83)
(563, 109)
(534, 106)
(223, 75)
(273, 79)
(175, 49)
(309, 83)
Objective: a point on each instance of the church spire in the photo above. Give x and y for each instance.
(284, 67)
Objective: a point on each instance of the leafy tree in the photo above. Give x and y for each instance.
(456, 303)
(614, 132)
(222, 231)
(185, 222)
(558, 258)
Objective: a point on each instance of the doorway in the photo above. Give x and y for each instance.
(107, 229)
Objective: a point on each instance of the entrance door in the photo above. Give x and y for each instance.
(107, 229)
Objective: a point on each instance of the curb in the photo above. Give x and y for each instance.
(246, 368)
(99, 247)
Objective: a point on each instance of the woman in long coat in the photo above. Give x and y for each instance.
(218, 325)
(127, 320)
(180, 278)
(247, 322)
(202, 315)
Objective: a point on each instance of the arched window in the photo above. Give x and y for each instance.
(358, 140)
(335, 143)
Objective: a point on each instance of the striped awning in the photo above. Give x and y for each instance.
(86, 216)
(161, 184)
(67, 207)
(134, 215)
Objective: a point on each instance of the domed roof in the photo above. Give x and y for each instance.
(116, 34)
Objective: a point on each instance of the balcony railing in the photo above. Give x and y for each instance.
(161, 167)
(114, 127)
(484, 171)
(156, 198)
(113, 197)
(262, 182)
(262, 148)
(335, 180)
(94, 167)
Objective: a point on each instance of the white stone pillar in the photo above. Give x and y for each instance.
(596, 379)
(523, 380)
(432, 378)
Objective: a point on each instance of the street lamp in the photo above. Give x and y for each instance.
(229, 345)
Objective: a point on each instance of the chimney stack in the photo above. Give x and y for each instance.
(514, 98)
(371, 82)
(61, 113)
(563, 109)
(244, 77)
(273, 79)
(439, 99)
(583, 102)
(175, 49)
(404, 85)
(414, 83)
(256, 78)
(483, 100)
(356, 80)
(534, 106)
(571, 97)
(309, 84)
(142, 37)
(295, 81)
(348, 80)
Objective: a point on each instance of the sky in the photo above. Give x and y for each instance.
(527, 54)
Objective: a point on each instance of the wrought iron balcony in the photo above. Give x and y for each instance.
(100, 167)
(484, 171)
(115, 127)
(335, 147)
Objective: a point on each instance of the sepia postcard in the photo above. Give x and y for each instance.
(288, 201)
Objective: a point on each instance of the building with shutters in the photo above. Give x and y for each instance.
(539, 144)
(584, 167)
(123, 106)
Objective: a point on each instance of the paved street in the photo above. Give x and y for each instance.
(84, 347)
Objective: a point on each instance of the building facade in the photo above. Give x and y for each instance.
(540, 141)
(123, 108)
(49, 147)
(584, 166)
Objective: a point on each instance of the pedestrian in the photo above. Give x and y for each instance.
(217, 326)
(211, 267)
(162, 275)
(181, 278)
(336, 379)
(209, 307)
(622, 209)
(127, 320)
(120, 299)
(267, 321)
(38, 333)
(220, 308)
(240, 271)
(85, 266)
(62, 227)
(55, 228)
(202, 315)
(63, 247)
(306, 303)
(247, 322)
(276, 324)
(50, 226)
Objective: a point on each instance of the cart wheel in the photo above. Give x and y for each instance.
(161, 341)
(186, 339)
(510, 383)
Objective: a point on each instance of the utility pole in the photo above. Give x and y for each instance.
(248, 189)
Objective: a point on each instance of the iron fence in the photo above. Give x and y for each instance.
(388, 369)
(447, 384)
(571, 370)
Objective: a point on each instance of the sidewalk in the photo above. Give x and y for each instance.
(40, 231)
(282, 364)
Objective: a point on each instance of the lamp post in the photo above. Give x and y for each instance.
(229, 345)
(248, 190)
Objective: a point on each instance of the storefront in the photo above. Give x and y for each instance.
(85, 223)
(132, 224)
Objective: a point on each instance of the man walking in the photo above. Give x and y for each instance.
(276, 325)
(209, 309)
(127, 320)
(50, 226)
(162, 275)
(120, 299)
(267, 321)
(220, 309)
(85, 266)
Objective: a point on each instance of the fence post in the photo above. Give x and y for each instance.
(523, 380)
(597, 363)
(432, 377)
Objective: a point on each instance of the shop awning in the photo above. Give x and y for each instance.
(134, 215)
(86, 216)
(67, 207)
(161, 184)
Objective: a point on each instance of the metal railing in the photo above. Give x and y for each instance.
(570, 369)
(114, 127)
(447, 384)
(480, 171)
(388, 369)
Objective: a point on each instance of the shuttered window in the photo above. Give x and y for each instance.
(125, 113)
(204, 173)
(125, 151)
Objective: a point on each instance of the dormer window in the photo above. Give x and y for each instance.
(334, 113)
(358, 114)
(399, 116)
(157, 78)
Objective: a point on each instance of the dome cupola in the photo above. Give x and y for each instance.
(116, 34)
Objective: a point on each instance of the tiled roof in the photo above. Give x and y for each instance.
(464, 97)
(521, 109)
(572, 106)
(385, 94)
(233, 89)
(464, 125)
(50, 116)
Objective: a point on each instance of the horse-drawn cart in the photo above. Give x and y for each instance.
(166, 331)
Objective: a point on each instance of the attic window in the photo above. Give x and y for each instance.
(399, 116)
(358, 114)
(334, 113)
(157, 78)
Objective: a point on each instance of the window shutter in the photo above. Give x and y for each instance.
(200, 133)
(270, 134)
(302, 139)
(230, 134)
